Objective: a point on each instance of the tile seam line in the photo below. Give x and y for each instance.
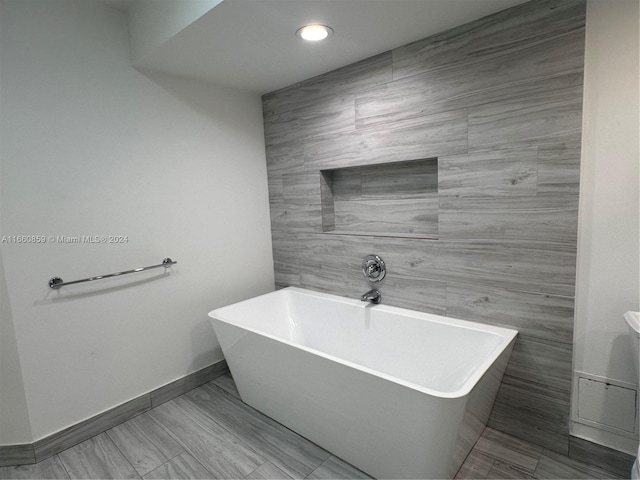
(265, 455)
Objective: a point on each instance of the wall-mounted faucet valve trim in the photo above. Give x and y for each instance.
(373, 268)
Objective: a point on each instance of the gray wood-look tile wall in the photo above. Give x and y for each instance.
(499, 103)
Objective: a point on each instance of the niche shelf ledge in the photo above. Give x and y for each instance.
(398, 199)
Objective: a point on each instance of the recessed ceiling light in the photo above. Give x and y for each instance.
(313, 33)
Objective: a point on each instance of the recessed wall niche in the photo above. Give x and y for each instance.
(398, 199)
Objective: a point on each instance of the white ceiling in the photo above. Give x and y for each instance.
(251, 44)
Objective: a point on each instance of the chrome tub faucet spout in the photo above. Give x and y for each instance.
(373, 296)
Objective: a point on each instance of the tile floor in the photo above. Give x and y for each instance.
(209, 433)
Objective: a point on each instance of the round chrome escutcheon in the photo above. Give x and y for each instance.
(373, 268)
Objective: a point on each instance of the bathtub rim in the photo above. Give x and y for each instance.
(507, 336)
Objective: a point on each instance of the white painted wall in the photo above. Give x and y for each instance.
(609, 241)
(15, 426)
(153, 22)
(90, 146)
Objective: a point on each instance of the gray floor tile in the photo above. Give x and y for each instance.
(553, 466)
(509, 450)
(221, 452)
(227, 384)
(51, 468)
(611, 460)
(334, 468)
(183, 467)
(476, 466)
(267, 471)
(504, 470)
(97, 458)
(144, 443)
(290, 452)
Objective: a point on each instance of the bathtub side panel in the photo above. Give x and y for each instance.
(385, 429)
(478, 408)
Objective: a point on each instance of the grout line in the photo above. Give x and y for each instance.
(313, 471)
(471, 450)
(266, 455)
(168, 430)
(515, 290)
(126, 458)
(260, 453)
(257, 468)
(63, 465)
(185, 449)
(159, 466)
(230, 432)
(199, 463)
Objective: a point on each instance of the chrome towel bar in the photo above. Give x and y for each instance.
(57, 282)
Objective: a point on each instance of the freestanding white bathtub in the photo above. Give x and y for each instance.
(396, 393)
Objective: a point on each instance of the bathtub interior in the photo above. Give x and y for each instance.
(434, 354)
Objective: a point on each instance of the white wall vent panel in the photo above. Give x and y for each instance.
(606, 404)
